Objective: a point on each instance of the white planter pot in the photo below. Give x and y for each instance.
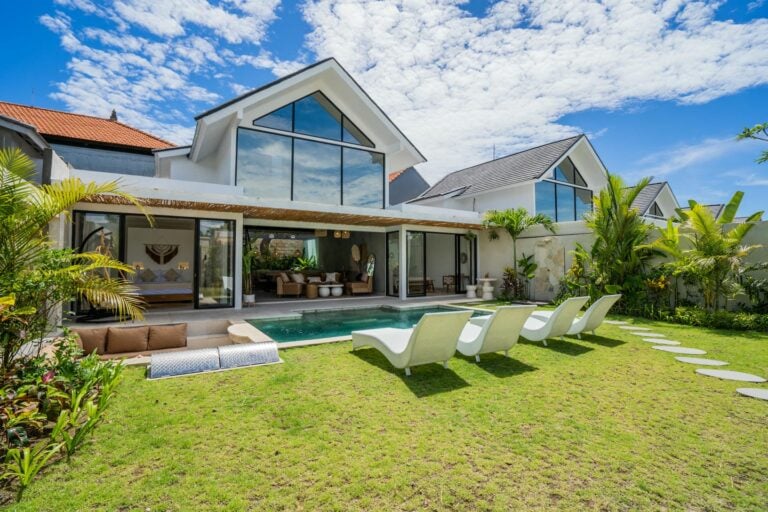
(471, 291)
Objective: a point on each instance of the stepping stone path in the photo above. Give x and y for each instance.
(661, 342)
(730, 375)
(761, 394)
(682, 350)
(701, 361)
(616, 322)
(649, 334)
(633, 328)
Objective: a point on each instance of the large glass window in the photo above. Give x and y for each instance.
(352, 134)
(545, 199)
(415, 253)
(316, 115)
(583, 202)
(316, 172)
(293, 167)
(264, 164)
(564, 197)
(363, 178)
(566, 206)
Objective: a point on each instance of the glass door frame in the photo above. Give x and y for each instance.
(197, 269)
(122, 251)
(396, 285)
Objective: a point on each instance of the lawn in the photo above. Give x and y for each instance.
(601, 423)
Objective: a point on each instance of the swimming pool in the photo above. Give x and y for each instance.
(330, 324)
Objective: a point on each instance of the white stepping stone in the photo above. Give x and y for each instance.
(661, 342)
(682, 350)
(701, 361)
(730, 375)
(633, 328)
(648, 334)
(615, 322)
(762, 394)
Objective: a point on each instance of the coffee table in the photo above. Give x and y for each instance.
(326, 290)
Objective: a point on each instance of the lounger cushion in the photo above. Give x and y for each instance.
(92, 339)
(127, 339)
(167, 336)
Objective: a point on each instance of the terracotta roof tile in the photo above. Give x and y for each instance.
(56, 123)
(394, 175)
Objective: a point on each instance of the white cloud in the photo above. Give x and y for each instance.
(155, 55)
(458, 84)
(687, 156)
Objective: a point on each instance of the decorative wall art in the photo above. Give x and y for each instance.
(161, 253)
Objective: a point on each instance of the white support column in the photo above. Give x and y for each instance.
(238, 277)
(403, 274)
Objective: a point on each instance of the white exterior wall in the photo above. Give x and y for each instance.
(551, 252)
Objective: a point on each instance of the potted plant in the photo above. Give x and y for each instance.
(248, 258)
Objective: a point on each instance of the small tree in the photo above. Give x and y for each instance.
(616, 260)
(757, 132)
(514, 221)
(707, 250)
(41, 278)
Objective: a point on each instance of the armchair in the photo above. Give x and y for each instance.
(286, 287)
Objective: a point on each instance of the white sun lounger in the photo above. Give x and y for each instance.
(557, 325)
(591, 319)
(499, 332)
(432, 340)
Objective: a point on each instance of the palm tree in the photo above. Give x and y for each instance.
(617, 258)
(514, 221)
(39, 276)
(707, 249)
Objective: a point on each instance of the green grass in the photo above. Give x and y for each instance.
(604, 423)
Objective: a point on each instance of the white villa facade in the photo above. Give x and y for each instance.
(297, 171)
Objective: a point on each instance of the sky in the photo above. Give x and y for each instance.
(660, 87)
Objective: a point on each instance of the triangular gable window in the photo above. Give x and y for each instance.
(655, 211)
(317, 116)
(568, 173)
(280, 119)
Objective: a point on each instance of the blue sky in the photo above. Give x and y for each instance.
(661, 87)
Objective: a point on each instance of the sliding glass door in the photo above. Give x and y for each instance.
(393, 263)
(416, 252)
(215, 263)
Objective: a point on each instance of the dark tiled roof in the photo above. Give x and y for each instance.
(647, 196)
(526, 165)
(55, 123)
(715, 209)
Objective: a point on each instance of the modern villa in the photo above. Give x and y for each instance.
(306, 169)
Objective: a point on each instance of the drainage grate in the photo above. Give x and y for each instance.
(174, 364)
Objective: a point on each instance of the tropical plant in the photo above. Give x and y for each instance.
(249, 257)
(302, 263)
(706, 248)
(26, 463)
(757, 132)
(42, 277)
(514, 221)
(616, 260)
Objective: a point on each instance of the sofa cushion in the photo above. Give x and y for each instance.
(92, 339)
(330, 277)
(167, 336)
(127, 339)
(297, 278)
(285, 277)
(171, 275)
(364, 277)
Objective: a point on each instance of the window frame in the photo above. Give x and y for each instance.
(293, 131)
(339, 144)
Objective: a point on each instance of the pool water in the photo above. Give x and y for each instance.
(330, 324)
